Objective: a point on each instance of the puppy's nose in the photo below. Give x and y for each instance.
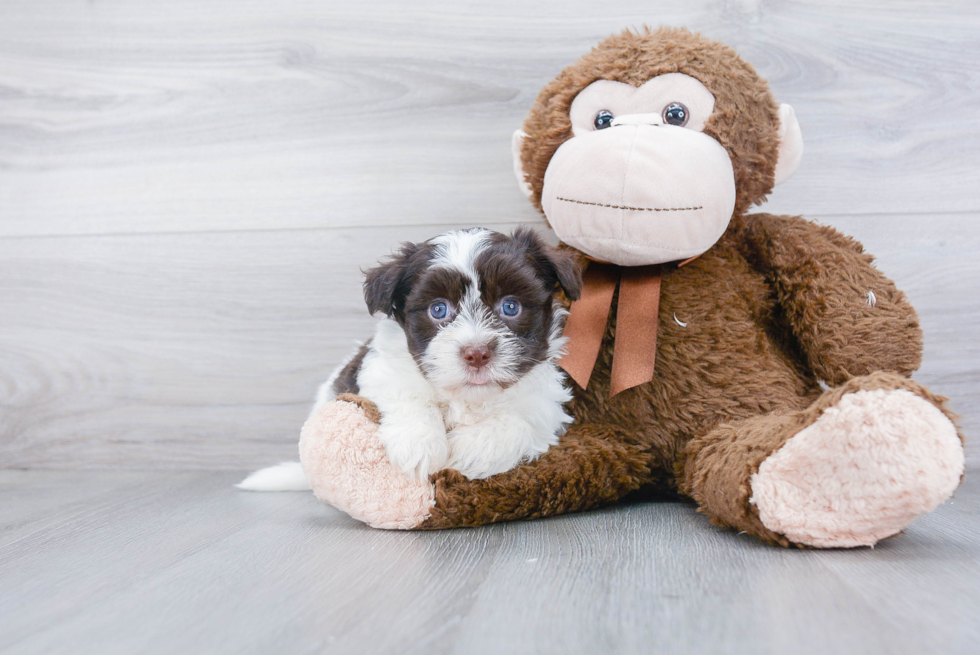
(476, 356)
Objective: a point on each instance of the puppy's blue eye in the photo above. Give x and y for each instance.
(510, 307)
(438, 310)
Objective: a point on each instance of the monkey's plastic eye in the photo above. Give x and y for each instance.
(510, 307)
(439, 310)
(603, 119)
(676, 114)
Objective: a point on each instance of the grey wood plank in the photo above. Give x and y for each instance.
(203, 350)
(227, 115)
(185, 563)
(175, 351)
(36, 501)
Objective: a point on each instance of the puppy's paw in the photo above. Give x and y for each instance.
(479, 452)
(419, 450)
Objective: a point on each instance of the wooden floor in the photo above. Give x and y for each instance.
(188, 192)
(157, 562)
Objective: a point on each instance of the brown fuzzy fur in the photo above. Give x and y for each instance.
(715, 469)
(776, 306)
(367, 406)
(737, 382)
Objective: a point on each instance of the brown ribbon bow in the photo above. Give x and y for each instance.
(635, 350)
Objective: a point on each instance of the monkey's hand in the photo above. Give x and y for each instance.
(347, 466)
(849, 318)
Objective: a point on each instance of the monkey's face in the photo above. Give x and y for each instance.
(639, 182)
(643, 150)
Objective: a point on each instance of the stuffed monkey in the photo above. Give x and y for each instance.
(756, 364)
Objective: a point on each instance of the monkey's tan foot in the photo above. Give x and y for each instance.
(861, 472)
(348, 468)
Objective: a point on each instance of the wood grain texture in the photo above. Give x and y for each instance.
(181, 562)
(119, 118)
(188, 191)
(175, 351)
(203, 350)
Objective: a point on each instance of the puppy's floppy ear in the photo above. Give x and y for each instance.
(568, 270)
(561, 266)
(387, 285)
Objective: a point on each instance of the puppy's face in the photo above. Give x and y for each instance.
(477, 306)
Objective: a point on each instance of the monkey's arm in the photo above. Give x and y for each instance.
(588, 468)
(347, 466)
(849, 318)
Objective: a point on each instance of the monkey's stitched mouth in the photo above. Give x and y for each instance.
(639, 209)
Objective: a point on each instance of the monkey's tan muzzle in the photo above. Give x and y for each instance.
(639, 193)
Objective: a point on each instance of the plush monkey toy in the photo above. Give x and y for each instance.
(757, 364)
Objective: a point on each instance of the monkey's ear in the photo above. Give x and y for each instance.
(561, 265)
(790, 144)
(387, 285)
(515, 145)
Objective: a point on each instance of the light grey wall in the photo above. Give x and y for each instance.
(188, 190)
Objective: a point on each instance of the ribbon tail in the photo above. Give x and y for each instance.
(635, 352)
(586, 322)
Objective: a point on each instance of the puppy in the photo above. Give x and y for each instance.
(463, 366)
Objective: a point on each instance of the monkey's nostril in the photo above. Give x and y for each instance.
(476, 356)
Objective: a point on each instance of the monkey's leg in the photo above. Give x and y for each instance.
(855, 467)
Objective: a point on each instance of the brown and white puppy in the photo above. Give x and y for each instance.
(464, 365)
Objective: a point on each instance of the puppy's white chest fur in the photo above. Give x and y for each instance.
(479, 432)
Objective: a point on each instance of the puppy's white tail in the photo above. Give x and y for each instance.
(287, 476)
